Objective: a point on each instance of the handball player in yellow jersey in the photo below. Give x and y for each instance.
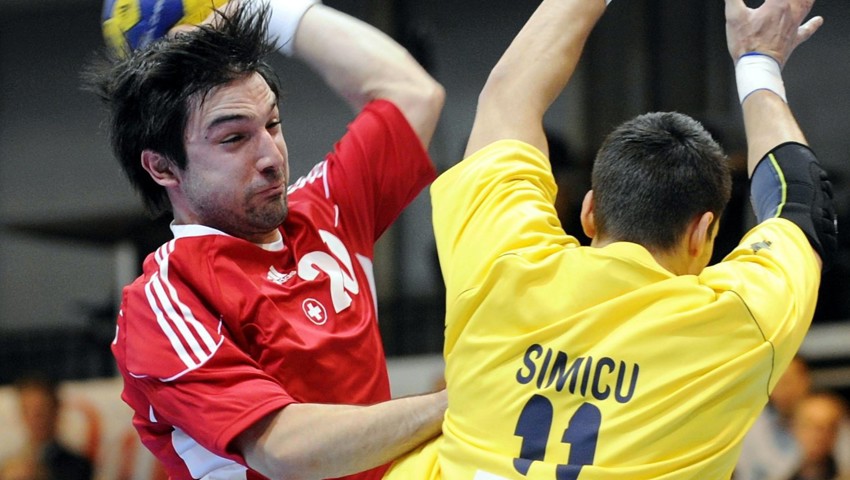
(630, 358)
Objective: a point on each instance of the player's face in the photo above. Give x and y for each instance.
(237, 165)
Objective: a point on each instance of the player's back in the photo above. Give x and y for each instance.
(568, 362)
(609, 365)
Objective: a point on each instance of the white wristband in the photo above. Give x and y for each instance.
(285, 18)
(756, 71)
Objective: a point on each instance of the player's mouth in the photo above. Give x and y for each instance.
(275, 190)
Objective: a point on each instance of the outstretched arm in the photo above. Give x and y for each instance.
(787, 180)
(771, 31)
(361, 64)
(532, 73)
(324, 441)
(358, 61)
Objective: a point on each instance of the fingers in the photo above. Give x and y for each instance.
(806, 30)
(736, 11)
(735, 7)
(738, 29)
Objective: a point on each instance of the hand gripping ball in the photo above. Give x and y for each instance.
(131, 24)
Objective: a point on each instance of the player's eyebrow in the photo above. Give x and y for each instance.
(236, 117)
(223, 119)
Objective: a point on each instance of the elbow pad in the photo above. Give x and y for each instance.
(789, 183)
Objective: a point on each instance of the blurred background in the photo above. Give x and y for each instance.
(72, 232)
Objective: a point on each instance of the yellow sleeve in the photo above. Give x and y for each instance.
(420, 463)
(775, 273)
(498, 201)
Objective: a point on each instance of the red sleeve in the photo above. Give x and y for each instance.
(180, 360)
(216, 402)
(377, 169)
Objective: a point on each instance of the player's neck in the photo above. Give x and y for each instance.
(673, 260)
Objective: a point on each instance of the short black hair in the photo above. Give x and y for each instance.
(149, 93)
(653, 175)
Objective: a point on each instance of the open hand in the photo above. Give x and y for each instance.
(775, 28)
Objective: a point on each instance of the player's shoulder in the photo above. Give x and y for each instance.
(499, 161)
(382, 106)
(781, 240)
(385, 112)
(161, 333)
(177, 265)
(192, 246)
(304, 188)
(509, 149)
(780, 224)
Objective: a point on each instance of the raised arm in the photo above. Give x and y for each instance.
(758, 37)
(323, 441)
(787, 180)
(532, 73)
(361, 64)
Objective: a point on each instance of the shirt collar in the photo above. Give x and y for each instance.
(184, 231)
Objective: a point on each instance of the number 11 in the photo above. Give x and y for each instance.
(534, 426)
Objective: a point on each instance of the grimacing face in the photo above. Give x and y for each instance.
(237, 163)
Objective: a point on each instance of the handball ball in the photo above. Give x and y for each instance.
(131, 24)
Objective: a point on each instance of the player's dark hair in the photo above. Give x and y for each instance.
(150, 92)
(653, 175)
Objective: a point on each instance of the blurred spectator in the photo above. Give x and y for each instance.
(43, 456)
(770, 450)
(23, 467)
(816, 424)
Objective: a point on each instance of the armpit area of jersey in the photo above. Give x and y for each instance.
(790, 183)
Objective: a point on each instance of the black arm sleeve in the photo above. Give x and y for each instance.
(790, 183)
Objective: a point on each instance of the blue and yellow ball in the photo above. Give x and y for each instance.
(131, 24)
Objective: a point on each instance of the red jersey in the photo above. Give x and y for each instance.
(219, 332)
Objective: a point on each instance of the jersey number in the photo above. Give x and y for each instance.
(338, 268)
(534, 426)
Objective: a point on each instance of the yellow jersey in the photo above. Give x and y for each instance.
(566, 362)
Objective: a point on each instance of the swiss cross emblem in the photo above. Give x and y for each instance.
(315, 311)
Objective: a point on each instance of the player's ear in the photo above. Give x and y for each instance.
(159, 168)
(699, 233)
(588, 222)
